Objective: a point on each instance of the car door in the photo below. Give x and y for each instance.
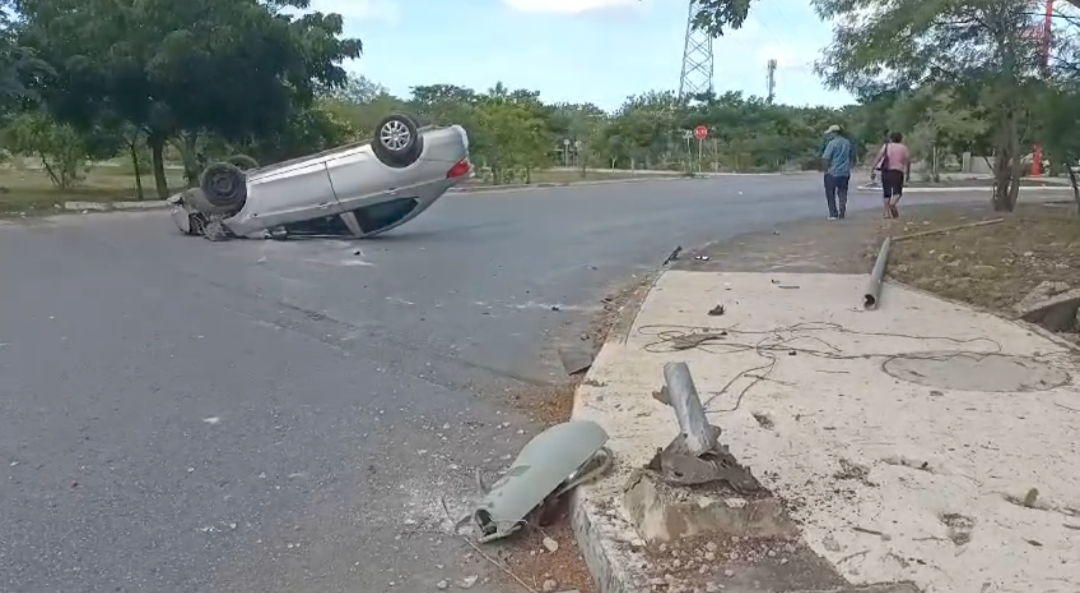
(356, 175)
(296, 192)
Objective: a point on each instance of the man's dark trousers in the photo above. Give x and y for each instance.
(836, 192)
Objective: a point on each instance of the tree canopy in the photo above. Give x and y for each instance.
(85, 79)
(236, 69)
(970, 73)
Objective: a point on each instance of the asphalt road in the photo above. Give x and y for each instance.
(258, 416)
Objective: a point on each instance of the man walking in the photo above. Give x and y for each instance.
(836, 161)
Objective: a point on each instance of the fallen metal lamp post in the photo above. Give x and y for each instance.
(872, 294)
(695, 456)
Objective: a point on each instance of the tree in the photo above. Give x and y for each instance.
(1059, 129)
(938, 122)
(717, 16)
(362, 104)
(236, 69)
(443, 104)
(512, 135)
(306, 131)
(978, 46)
(60, 149)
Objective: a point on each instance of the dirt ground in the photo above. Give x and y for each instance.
(992, 266)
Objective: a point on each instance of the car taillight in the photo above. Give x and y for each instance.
(460, 169)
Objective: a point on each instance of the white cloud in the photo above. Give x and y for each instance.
(360, 10)
(571, 6)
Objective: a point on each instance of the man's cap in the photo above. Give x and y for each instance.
(833, 129)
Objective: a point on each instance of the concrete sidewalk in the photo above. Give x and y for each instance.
(898, 447)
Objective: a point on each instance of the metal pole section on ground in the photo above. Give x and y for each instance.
(697, 434)
(872, 294)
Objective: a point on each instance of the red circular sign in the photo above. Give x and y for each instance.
(701, 132)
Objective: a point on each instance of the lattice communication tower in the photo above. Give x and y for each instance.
(697, 61)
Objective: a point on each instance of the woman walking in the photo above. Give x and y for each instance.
(894, 160)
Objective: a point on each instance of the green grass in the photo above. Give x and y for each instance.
(28, 190)
(574, 176)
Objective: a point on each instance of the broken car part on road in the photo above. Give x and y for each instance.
(553, 463)
(872, 294)
(358, 190)
(695, 456)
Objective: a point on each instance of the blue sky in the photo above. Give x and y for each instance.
(578, 50)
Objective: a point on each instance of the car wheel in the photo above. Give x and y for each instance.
(224, 190)
(215, 231)
(397, 141)
(243, 162)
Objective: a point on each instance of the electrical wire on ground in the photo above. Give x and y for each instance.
(718, 340)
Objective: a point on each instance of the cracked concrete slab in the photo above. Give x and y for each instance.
(880, 433)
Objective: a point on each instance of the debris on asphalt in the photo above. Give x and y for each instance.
(674, 256)
(780, 284)
(549, 466)
(442, 585)
(576, 359)
(701, 257)
(716, 311)
(468, 582)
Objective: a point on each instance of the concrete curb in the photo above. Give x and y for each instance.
(607, 564)
(954, 190)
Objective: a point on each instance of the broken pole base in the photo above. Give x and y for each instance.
(662, 513)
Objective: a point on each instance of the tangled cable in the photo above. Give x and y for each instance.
(674, 338)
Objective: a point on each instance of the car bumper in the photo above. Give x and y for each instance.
(181, 214)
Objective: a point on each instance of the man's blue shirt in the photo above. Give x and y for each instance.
(838, 154)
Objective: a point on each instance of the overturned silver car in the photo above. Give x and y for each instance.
(358, 190)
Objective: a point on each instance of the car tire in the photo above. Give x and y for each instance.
(397, 141)
(243, 162)
(216, 232)
(224, 190)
